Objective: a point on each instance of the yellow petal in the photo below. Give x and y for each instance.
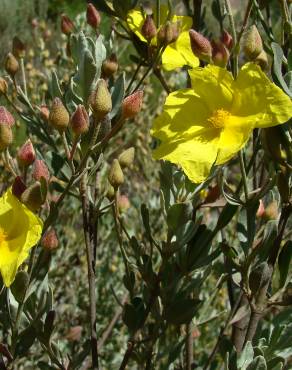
(196, 155)
(22, 230)
(135, 20)
(214, 85)
(257, 101)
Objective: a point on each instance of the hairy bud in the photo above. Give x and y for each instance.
(201, 46)
(6, 136)
(44, 112)
(80, 120)
(50, 240)
(227, 39)
(11, 65)
(18, 48)
(3, 86)
(262, 60)
(59, 116)
(33, 197)
(110, 192)
(116, 176)
(168, 33)
(220, 54)
(40, 170)
(110, 66)
(132, 104)
(126, 158)
(101, 100)
(67, 26)
(92, 16)
(148, 28)
(6, 118)
(252, 44)
(271, 211)
(26, 154)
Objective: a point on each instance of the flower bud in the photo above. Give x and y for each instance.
(50, 240)
(110, 66)
(6, 136)
(168, 33)
(101, 100)
(40, 170)
(261, 210)
(201, 46)
(18, 48)
(6, 118)
(33, 197)
(18, 187)
(252, 45)
(220, 54)
(19, 285)
(271, 212)
(116, 176)
(262, 60)
(92, 16)
(80, 121)
(67, 26)
(126, 158)
(26, 154)
(132, 104)
(148, 29)
(3, 86)
(227, 39)
(11, 65)
(59, 116)
(44, 112)
(74, 334)
(110, 193)
(123, 203)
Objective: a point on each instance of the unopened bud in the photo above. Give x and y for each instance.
(110, 66)
(132, 104)
(11, 65)
(110, 192)
(213, 194)
(262, 60)
(50, 240)
(126, 158)
(101, 100)
(33, 197)
(252, 45)
(261, 210)
(116, 176)
(92, 16)
(26, 154)
(201, 46)
(271, 212)
(3, 86)
(18, 48)
(67, 26)
(148, 29)
(59, 116)
(220, 54)
(227, 39)
(6, 136)
(80, 120)
(44, 112)
(19, 286)
(74, 334)
(40, 170)
(123, 203)
(168, 33)
(6, 118)
(18, 187)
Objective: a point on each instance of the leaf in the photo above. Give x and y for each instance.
(226, 215)
(54, 86)
(259, 363)
(118, 94)
(284, 261)
(104, 7)
(181, 311)
(277, 67)
(246, 356)
(242, 312)
(24, 341)
(178, 215)
(133, 314)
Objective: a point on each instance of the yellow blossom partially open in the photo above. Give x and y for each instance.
(176, 54)
(20, 230)
(207, 124)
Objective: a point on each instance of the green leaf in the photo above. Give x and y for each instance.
(54, 86)
(122, 7)
(178, 215)
(226, 216)
(118, 94)
(181, 311)
(259, 363)
(104, 7)
(24, 341)
(284, 262)
(246, 356)
(277, 67)
(133, 314)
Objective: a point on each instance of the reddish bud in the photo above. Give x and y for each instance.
(18, 187)
(272, 212)
(50, 240)
(149, 29)
(26, 154)
(227, 39)
(11, 65)
(132, 104)
(261, 210)
(67, 26)
(123, 203)
(40, 170)
(220, 54)
(34, 23)
(213, 194)
(110, 66)
(168, 33)
(80, 120)
(18, 48)
(6, 118)
(201, 46)
(74, 334)
(44, 112)
(93, 16)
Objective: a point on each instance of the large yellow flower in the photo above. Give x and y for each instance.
(20, 230)
(178, 53)
(207, 124)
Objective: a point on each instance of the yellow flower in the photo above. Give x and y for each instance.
(207, 124)
(178, 53)
(20, 230)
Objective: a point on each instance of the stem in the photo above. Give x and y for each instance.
(23, 75)
(161, 79)
(197, 14)
(158, 13)
(243, 173)
(189, 347)
(234, 36)
(67, 151)
(245, 20)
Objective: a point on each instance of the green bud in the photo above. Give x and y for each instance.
(100, 100)
(116, 176)
(33, 197)
(126, 159)
(252, 44)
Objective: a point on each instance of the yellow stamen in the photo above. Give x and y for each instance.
(219, 118)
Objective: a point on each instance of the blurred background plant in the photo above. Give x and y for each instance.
(177, 265)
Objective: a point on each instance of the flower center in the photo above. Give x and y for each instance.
(2, 236)
(219, 118)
